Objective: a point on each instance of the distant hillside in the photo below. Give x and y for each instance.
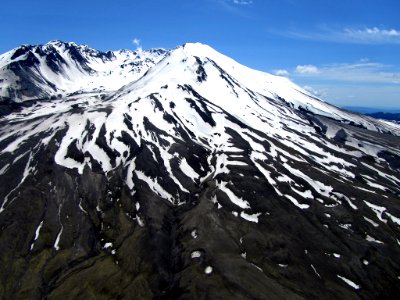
(372, 110)
(386, 116)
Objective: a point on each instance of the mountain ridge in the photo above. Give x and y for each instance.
(58, 68)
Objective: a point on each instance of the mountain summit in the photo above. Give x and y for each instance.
(181, 174)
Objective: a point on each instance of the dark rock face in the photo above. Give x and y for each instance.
(340, 136)
(174, 194)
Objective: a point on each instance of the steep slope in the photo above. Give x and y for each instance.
(199, 179)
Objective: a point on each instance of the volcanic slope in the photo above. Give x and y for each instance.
(199, 179)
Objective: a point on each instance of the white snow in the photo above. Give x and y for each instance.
(349, 282)
(57, 242)
(373, 240)
(393, 218)
(208, 270)
(257, 267)
(375, 185)
(80, 206)
(139, 221)
(37, 232)
(129, 175)
(251, 218)
(371, 222)
(153, 184)
(236, 200)
(188, 170)
(317, 185)
(392, 178)
(347, 199)
(27, 171)
(4, 169)
(107, 245)
(315, 271)
(295, 202)
(378, 210)
(345, 226)
(195, 254)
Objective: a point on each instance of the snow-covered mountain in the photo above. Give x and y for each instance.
(59, 69)
(183, 174)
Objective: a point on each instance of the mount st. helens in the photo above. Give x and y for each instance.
(183, 174)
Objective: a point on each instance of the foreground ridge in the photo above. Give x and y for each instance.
(183, 174)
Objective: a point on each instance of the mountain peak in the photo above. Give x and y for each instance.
(203, 50)
(58, 42)
(197, 47)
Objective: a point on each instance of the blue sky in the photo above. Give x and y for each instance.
(345, 51)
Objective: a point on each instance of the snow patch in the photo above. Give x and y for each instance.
(154, 185)
(295, 202)
(195, 254)
(349, 282)
(251, 218)
(378, 210)
(373, 240)
(188, 170)
(235, 200)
